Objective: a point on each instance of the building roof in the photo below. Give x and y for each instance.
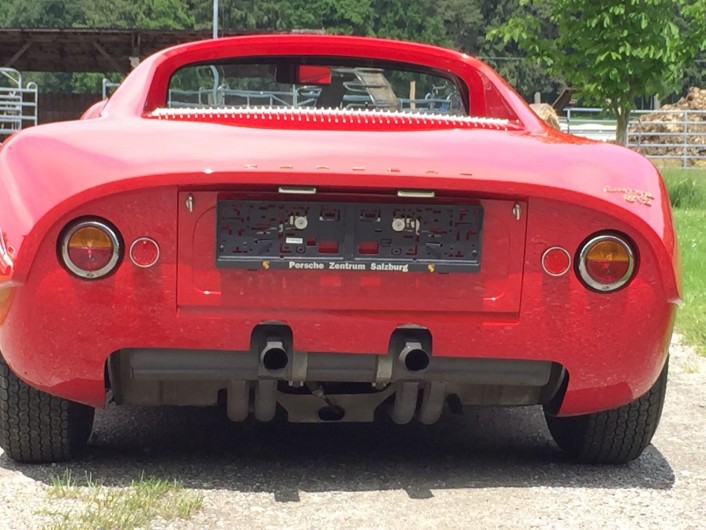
(85, 50)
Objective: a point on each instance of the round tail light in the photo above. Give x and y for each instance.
(90, 249)
(606, 262)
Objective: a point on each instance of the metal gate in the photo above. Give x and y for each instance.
(18, 104)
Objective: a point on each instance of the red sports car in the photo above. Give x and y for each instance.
(330, 227)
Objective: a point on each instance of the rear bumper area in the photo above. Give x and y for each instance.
(313, 387)
(309, 387)
(57, 332)
(60, 340)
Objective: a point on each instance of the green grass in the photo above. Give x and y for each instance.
(687, 192)
(89, 505)
(687, 187)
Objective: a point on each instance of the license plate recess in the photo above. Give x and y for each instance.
(354, 236)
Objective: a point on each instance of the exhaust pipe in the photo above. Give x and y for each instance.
(414, 357)
(331, 413)
(273, 355)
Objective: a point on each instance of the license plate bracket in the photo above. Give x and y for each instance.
(357, 236)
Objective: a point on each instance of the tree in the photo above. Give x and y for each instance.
(418, 21)
(4, 10)
(146, 14)
(240, 15)
(42, 13)
(613, 52)
(348, 17)
(507, 58)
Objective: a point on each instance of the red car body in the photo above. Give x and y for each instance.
(159, 175)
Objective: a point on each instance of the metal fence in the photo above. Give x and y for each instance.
(18, 104)
(108, 87)
(675, 137)
(305, 96)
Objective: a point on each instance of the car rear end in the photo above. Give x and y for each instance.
(333, 264)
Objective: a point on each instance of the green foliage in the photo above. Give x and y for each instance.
(350, 17)
(240, 15)
(466, 23)
(686, 188)
(457, 23)
(417, 21)
(612, 52)
(147, 14)
(463, 21)
(586, 42)
(687, 193)
(42, 13)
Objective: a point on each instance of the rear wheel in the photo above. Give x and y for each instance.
(614, 436)
(37, 427)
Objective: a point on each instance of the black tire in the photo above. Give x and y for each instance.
(37, 427)
(614, 436)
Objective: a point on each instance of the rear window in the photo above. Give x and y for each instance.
(339, 84)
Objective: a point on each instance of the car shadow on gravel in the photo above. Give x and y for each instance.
(496, 447)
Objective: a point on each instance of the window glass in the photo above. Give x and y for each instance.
(292, 84)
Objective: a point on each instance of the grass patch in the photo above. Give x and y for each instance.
(90, 505)
(65, 486)
(687, 193)
(686, 187)
(691, 317)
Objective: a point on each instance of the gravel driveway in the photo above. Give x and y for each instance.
(490, 468)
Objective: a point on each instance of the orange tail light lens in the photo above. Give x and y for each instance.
(606, 262)
(90, 249)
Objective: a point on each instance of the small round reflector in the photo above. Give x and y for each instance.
(144, 252)
(90, 249)
(606, 263)
(556, 261)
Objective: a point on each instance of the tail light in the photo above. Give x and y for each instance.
(90, 249)
(606, 262)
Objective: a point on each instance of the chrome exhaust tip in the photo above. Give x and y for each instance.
(274, 356)
(414, 357)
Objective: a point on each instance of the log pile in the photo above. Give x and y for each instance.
(672, 125)
(547, 113)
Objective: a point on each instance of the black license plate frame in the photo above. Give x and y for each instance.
(348, 236)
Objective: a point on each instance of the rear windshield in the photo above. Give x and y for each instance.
(322, 84)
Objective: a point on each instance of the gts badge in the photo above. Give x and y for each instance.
(632, 196)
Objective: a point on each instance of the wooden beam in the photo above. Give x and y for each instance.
(19, 53)
(136, 45)
(107, 57)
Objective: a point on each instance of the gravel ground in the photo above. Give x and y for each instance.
(490, 468)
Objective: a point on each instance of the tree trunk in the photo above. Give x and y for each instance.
(621, 130)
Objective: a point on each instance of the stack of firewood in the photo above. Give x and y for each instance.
(547, 113)
(672, 125)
